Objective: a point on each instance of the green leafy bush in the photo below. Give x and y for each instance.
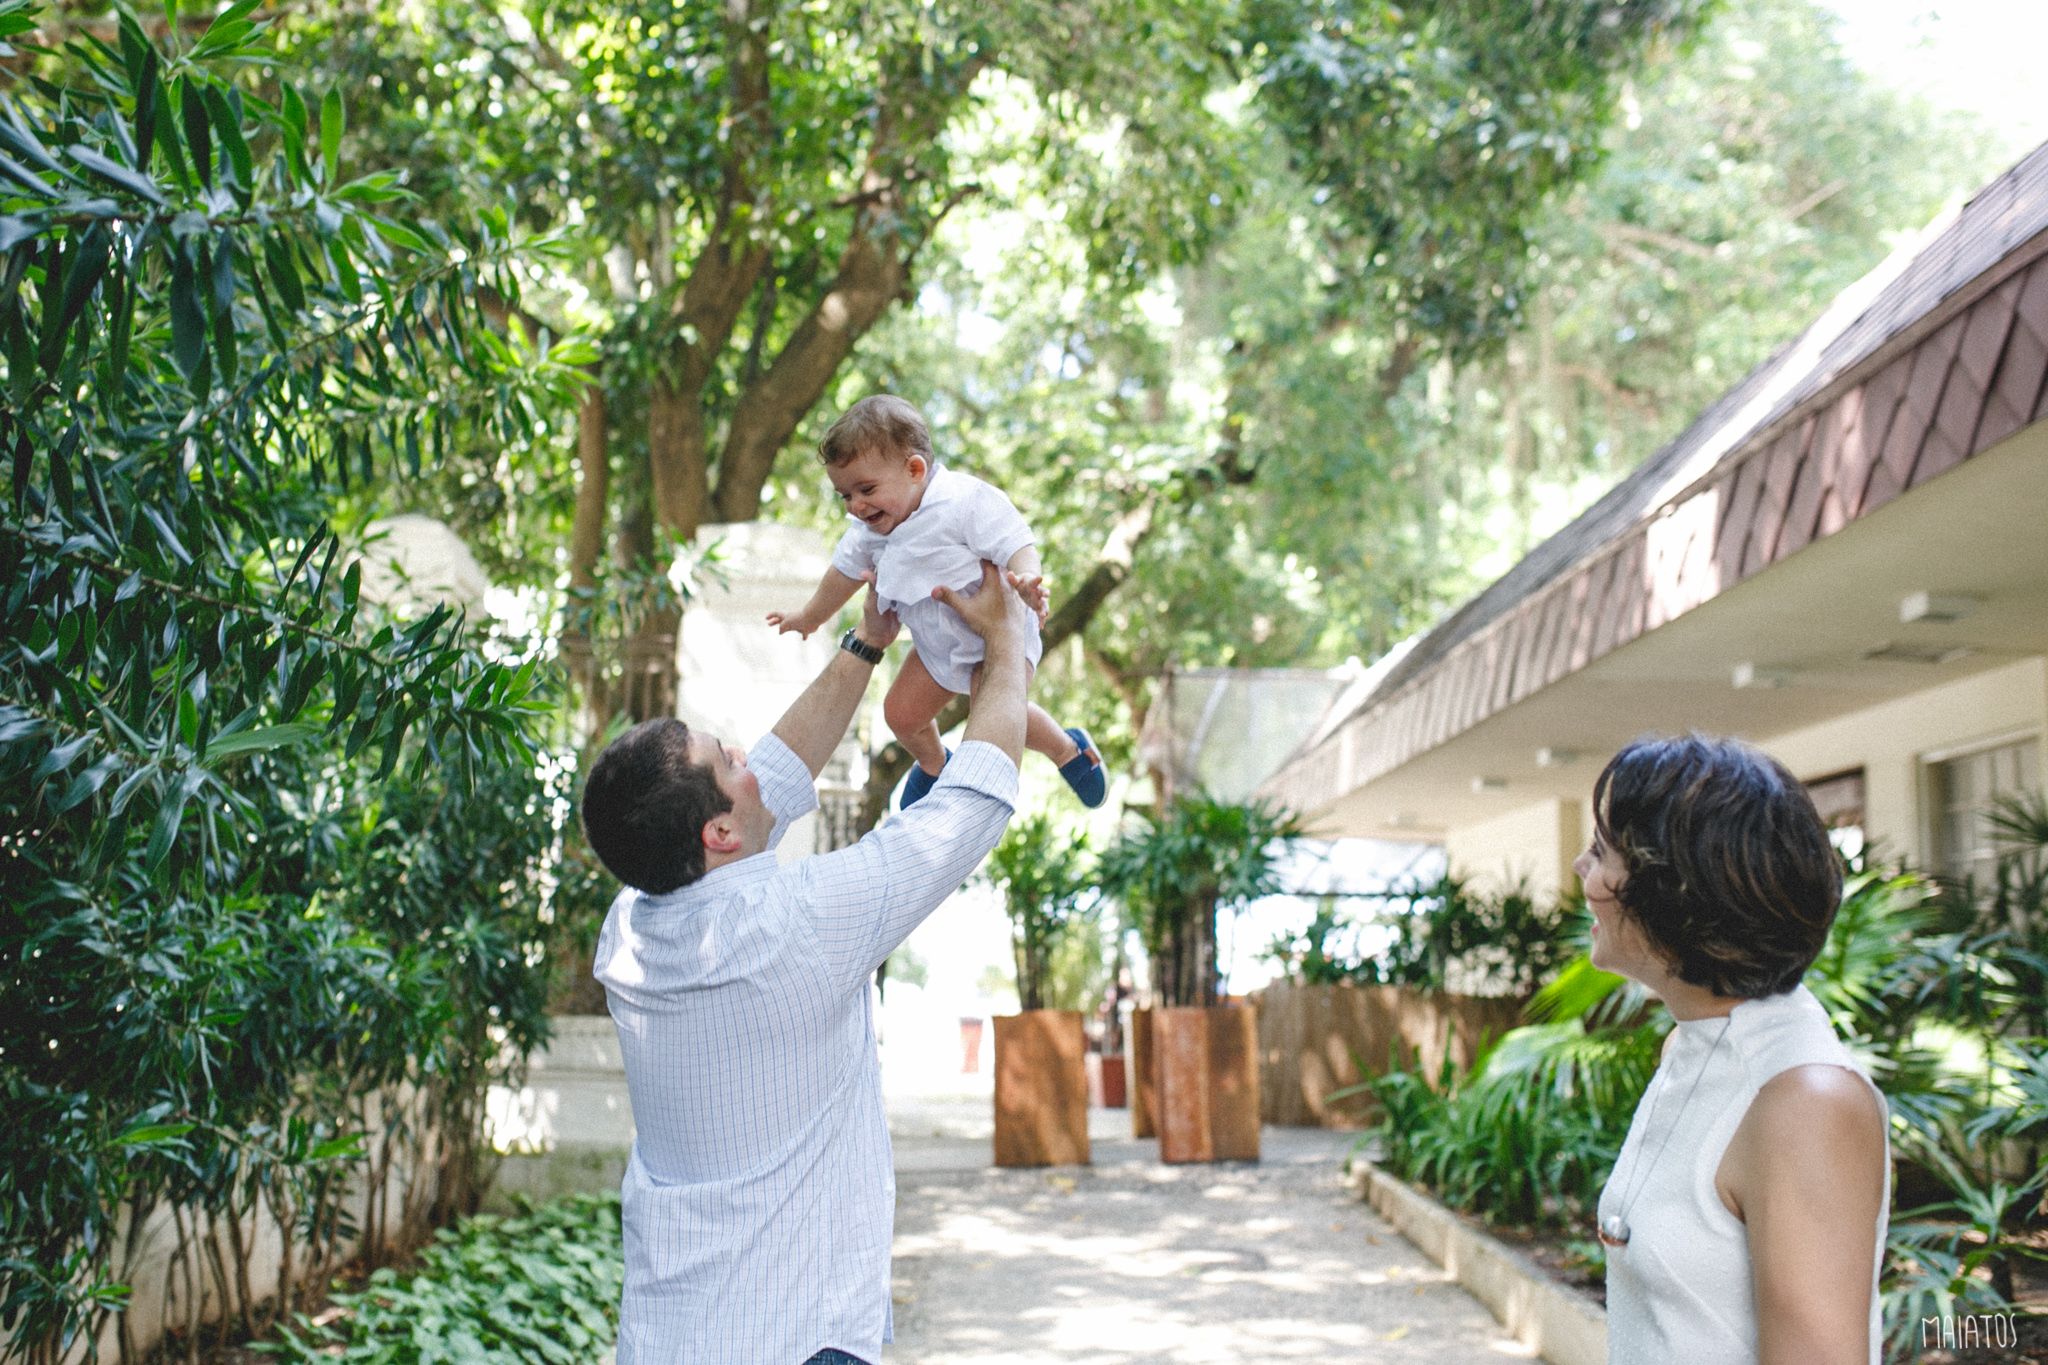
(1173, 872)
(272, 862)
(1040, 869)
(1445, 936)
(1529, 1136)
(541, 1288)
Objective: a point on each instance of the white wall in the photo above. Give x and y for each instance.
(1889, 742)
(1536, 843)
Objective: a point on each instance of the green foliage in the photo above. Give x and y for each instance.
(1444, 936)
(269, 858)
(1530, 1135)
(1173, 872)
(1439, 130)
(1039, 867)
(541, 1286)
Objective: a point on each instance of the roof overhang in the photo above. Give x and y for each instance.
(1810, 625)
(1895, 446)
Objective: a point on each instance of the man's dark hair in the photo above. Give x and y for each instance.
(1730, 873)
(645, 806)
(881, 421)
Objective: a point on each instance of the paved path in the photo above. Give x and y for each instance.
(1130, 1262)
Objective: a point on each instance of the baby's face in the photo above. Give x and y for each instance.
(881, 487)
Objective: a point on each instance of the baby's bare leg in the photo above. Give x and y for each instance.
(1043, 735)
(912, 708)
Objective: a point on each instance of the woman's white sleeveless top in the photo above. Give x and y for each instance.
(1681, 1290)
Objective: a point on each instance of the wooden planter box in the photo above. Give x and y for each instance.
(1105, 1081)
(1041, 1089)
(1205, 1064)
(1144, 1082)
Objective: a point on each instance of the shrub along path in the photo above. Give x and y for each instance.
(1128, 1262)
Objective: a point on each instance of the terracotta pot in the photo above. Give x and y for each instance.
(1105, 1081)
(1144, 1081)
(1206, 1063)
(1041, 1089)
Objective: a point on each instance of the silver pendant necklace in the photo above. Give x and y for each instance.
(1614, 1229)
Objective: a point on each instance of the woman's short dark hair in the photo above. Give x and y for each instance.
(1730, 873)
(645, 805)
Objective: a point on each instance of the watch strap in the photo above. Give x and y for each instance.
(859, 648)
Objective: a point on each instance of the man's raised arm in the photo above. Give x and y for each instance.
(1000, 618)
(817, 721)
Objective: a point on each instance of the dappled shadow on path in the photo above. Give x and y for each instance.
(1131, 1262)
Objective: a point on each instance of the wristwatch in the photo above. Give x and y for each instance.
(859, 648)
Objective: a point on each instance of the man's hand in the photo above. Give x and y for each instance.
(998, 615)
(1031, 587)
(994, 612)
(877, 627)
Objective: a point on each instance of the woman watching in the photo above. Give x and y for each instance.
(1745, 1216)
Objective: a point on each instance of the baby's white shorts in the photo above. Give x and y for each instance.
(949, 649)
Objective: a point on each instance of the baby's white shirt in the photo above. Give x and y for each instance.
(960, 522)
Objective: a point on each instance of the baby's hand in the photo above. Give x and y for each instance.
(786, 621)
(1031, 587)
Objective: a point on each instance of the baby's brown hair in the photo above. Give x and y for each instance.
(880, 421)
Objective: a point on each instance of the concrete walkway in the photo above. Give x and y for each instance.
(1130, 1262)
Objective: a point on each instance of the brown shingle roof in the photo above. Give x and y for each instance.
(1937, 355)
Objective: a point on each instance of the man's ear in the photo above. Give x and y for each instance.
(722, 834)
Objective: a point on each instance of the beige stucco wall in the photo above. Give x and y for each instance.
(1536, 842)
(1891, 742)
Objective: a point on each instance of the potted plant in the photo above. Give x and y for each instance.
(1196, 1057)
(1041, 1095)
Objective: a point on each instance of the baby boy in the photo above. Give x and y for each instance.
(922, 526)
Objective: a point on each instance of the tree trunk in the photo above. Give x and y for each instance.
(586, 544)
(1186, 969)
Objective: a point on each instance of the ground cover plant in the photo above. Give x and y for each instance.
(272, 859)
(538, 1288)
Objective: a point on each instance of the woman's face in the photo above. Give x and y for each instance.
(1619, 944)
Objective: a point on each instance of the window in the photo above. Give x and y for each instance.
(1839, 799)
(1965, 788)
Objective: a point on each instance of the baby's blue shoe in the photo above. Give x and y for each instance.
(919, 782)
(1084, 772)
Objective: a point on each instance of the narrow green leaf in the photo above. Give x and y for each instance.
(188, 320)
(295, 132)
(188, 719)
(277, 254)
(87, 265)
(339, 1147)
(345, 276)
(228, 127)
(24, 466)
(224, 345)
(258, 740)
(155, 1132)
(87, 783)
(114, 172)
(27, 179)
(332, 121)
(166, 124)
(198, 135)
(145, 102)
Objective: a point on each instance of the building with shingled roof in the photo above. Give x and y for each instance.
(1843, 560)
